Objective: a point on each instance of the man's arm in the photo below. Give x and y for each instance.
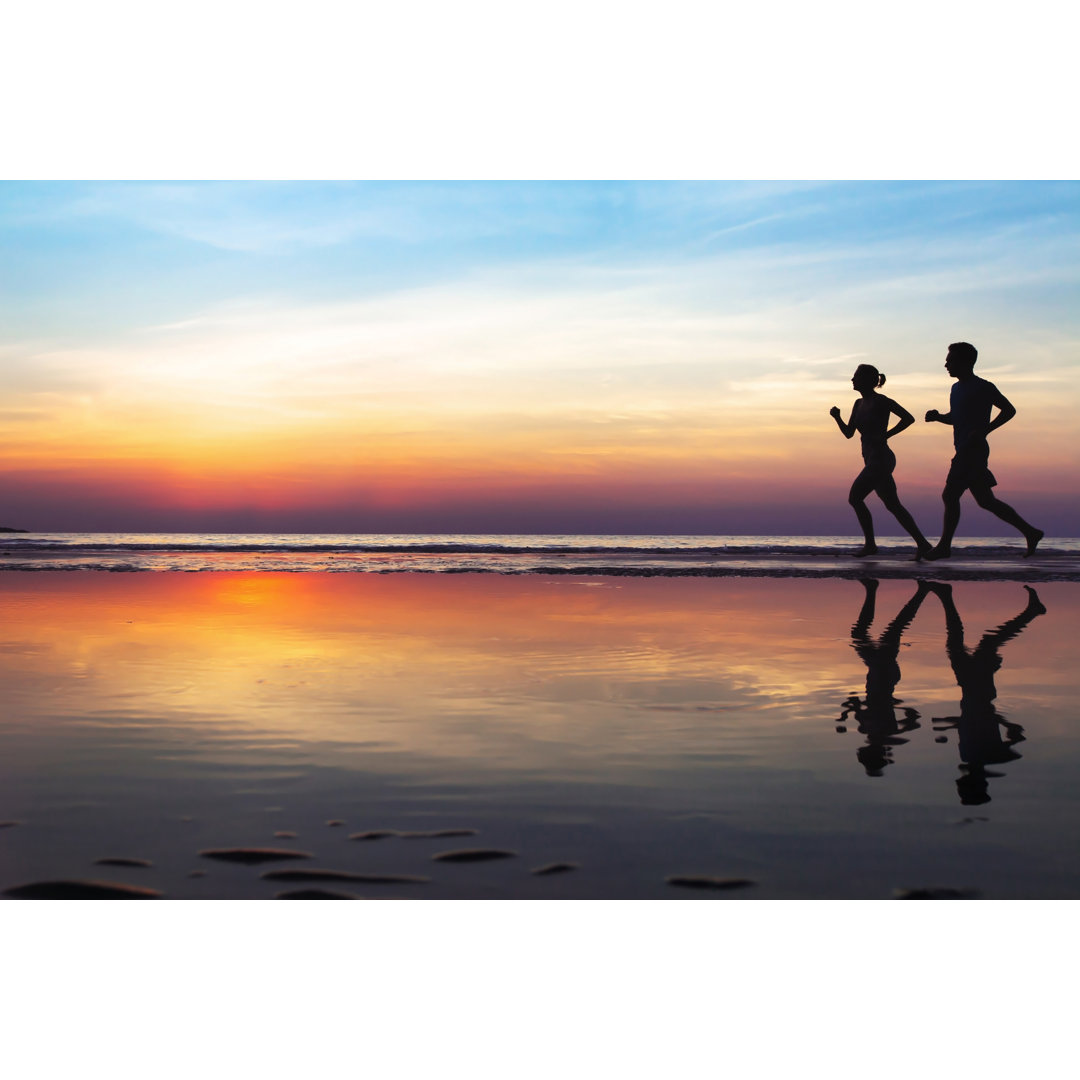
(933, 416)
(1008, 410)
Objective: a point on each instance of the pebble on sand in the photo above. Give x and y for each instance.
(197, 873)
(343, 875)
(706, 881)
(555, 868)
(80, 890)
(473, 855)
(315, 894)
(9, 824)
(437, 834)
(373, 834)
(285, 834)
(121, 861)
(334, 822)
(253, 855)
(936, 892)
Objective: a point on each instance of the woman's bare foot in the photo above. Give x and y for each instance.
(866, 549)
(1033, 539)
(938, 552)
(922, 552)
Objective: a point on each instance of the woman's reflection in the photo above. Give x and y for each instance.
(876, 714)
(985, 737)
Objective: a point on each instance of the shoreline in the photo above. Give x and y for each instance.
(973, 567)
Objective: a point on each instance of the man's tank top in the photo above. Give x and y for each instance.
(970, 403)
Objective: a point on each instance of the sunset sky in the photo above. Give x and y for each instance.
(549, 357)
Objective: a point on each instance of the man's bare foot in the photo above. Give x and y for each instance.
(866, 549)
(922, 552)
(938, 552)
(1035, 605)
(1033, 539)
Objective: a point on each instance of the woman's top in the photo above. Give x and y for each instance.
(871, 421)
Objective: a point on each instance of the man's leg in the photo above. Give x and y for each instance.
(951, 498)
(985, 497)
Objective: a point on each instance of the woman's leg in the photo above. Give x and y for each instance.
(862, 487)
(886, 490)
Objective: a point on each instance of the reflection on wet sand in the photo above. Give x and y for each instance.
(985, 736)
(875, 716)
(640, 739)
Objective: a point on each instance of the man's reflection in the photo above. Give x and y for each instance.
(985, 736)
(876, 714)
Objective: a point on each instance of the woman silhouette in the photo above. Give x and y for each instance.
(870, 418)
(876, 713)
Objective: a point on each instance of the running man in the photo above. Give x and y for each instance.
(970, 403)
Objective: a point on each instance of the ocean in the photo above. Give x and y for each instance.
(787, 556)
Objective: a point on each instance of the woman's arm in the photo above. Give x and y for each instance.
(905, 421)
(847, 429)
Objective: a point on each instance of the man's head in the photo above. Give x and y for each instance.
(960, 359)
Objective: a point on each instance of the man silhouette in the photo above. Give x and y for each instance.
(979, 725)
(970, 403)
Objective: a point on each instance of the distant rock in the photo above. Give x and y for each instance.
(120, 861)
(253, 855)
(473, 855)
(373, 834)
(706, 881)
(80, 890)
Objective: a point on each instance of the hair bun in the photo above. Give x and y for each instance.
(881, 379)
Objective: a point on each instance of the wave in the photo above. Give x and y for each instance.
(626, 556)
(667, 547)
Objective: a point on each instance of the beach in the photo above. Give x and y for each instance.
(732, 726)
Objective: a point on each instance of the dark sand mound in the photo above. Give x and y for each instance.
(80, 890)
(343, 875)
(706, 881)
(253, 856)
(474, 855)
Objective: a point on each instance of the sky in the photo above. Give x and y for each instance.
(649, 358)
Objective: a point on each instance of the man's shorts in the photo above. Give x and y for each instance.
(970, 468)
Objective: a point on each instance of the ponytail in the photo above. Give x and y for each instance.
(878, 377)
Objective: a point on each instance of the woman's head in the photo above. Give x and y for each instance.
(867, 377)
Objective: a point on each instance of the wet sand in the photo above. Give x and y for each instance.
(416, 736)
